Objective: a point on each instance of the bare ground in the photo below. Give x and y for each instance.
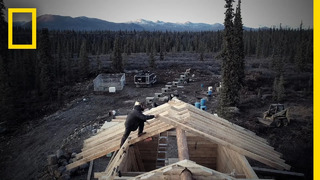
(24, 150)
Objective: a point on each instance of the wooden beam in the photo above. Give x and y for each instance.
(257, 149)
(138, 158)
(110, 147)
(114, 139)
(245, 142)
(132, 174)
(276, 172)
(183, 152)
(237, 138)
(276, 164)
(182, 144)
(90, 170)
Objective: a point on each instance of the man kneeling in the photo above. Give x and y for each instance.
(134, 120)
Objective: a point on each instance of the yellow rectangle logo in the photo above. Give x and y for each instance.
(33, 12)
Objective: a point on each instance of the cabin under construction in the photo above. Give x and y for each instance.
(209, 147)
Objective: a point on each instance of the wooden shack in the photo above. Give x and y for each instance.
(209, 147)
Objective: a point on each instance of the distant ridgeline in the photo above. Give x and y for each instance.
(56, 22)
(64, 57)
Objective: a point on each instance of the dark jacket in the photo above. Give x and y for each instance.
(135, 117)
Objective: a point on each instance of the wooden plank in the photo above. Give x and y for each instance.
(99, 174)
(115, 140)
(205, 154)
(276, 172)
(118, 120)
(90, 170)
(120, 117)
(120, 156)
(104, 133)
(247, 169)
(119, 129)
(233, 136)
(245, 146)
(200, 145)
(121, 178)
(224, 122)
(235, 140)
(230, 162)
(127, 163)
(244, 139)
(275, 164)
(107, 149)
(268, 152)
(156, 110)
(132, 174)
(138, 159)
(208, 160)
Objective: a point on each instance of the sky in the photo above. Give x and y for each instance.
(255, 13)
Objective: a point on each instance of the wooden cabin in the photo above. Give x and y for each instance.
(209, 147)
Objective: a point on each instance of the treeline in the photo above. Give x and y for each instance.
(31, 78)
(261, 42)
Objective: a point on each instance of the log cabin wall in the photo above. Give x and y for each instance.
(202, 152)
(148, 153)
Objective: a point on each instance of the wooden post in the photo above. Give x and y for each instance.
(90, 170)
(183, 152)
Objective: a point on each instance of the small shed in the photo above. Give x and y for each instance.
(104, 81)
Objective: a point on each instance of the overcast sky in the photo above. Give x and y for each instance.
(255, 13)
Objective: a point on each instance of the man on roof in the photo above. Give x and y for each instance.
(134, 120)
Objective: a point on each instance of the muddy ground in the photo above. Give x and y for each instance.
(24, 149)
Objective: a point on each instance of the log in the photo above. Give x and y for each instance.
(90, 170)
(276, 172)
(183, 152)
(182, 143)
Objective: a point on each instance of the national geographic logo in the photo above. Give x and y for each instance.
(33, 12)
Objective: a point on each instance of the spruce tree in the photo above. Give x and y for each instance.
(152, 61)
(99, 64)
(117, 63)
(45, 66)
(3, 53)
(162, 48)
(278, 93)
(84, 60)
(275, 89)
(281, 89)
(3, 31)
(299, 58)
(239, 44)
(230, 82)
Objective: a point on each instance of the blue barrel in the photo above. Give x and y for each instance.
(203, 102)
(203, 108)
(209, 93)
(197, 104)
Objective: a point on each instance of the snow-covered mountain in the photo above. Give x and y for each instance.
(56, 22)
(169, 26)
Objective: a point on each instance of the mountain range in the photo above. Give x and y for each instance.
(57, 22)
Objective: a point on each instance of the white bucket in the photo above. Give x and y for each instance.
(112, 89)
